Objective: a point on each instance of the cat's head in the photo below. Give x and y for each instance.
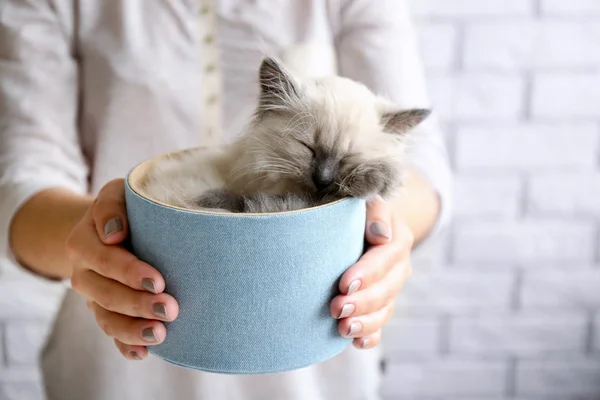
(327, 136)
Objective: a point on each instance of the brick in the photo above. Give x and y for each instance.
(21, 391)
(532, 45)
(525, 241)
(571, 194)
(571, 7)
(567, 288)
(28, 297)
(558, 378)
(527, 147)
(411, 337)
(446, 378)
(453, 291)
(566, 95)
(524, 334)
(471, 8)
(24, 340)
(438, 45)
(477, 96)
(487, 196)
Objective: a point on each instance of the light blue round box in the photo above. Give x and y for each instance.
(254, 290)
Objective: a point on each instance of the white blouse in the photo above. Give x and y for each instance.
(88, 89)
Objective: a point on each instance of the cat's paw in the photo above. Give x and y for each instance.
(368, 180)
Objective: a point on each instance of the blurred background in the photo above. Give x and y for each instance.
(508, 306)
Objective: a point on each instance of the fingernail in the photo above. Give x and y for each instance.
(355, 327)
(378, 228)
(353, 287)
(148, 284)
(160, 310)
(134, 355)
(148, 335)
(365, 343)
(113, 226)
(347, 310)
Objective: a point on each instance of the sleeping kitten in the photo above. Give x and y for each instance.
(311, 141)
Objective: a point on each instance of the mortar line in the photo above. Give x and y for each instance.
(459, 48)
(515, 296)
(511, 378)
(537, 8)
(527, 96)
(444, 332)
(591, 329)
(524, 200)
(3, 346)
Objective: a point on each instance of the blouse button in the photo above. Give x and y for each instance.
(210, 68)
(212, 100)
(208, 39)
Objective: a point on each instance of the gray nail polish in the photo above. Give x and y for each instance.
(347, 310)
(365, 343)
(148, 284)
(113, 226)
(148, 335)
(355, 327)
(353, 287)
(134, 355)
(160, 310)
(380, 229)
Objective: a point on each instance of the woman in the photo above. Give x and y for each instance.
(89, 89)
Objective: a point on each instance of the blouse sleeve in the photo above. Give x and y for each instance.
(377, 46)
(39, 146)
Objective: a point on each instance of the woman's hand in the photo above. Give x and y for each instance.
(125, 294)
(370, 286)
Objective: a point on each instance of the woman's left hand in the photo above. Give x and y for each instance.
(370, 286)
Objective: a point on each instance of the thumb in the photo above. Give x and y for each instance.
(109, 212)
(379, 221)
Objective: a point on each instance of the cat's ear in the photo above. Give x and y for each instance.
(277, 87)
(401, 122)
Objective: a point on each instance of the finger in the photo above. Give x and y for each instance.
(373, 298)
(373, 266)
(128, 330)
(118, 298)
(378, 229)
(367, 342)
(132, 352)
(109, 213)
(367, 324)
(114, 262)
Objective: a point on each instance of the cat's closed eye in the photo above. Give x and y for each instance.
(309, 147)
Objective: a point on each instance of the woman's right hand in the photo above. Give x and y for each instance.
(125, 294)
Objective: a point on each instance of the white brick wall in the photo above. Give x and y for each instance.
(524, 335)
(516, 45)
(446, 378)
(574, 194)
(559, 378)
(568, 95)
(571, 7)
(527, 240)
(527, 147)
(513, 312)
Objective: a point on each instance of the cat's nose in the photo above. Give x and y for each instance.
(323, 176)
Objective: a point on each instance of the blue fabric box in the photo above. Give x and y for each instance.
(253, 290)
